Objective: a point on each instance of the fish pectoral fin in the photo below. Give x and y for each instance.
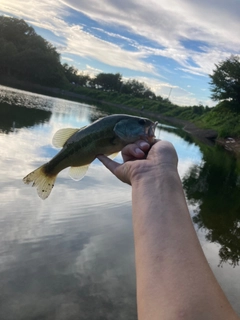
(113, 155)
(77, 173)
(62, 135)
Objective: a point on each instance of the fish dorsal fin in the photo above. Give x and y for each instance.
(62, 135)
(77, 173)
(113, 155)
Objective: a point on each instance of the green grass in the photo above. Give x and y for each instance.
(223, 118)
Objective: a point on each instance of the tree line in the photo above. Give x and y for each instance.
(27, 56)
(110, 82)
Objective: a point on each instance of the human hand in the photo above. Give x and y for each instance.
(142, 160)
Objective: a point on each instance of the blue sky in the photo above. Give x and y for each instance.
(171, 45)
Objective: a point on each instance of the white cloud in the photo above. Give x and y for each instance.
(170, 21)
(49, 15)
(163, 29)
(114, 35)
(91, 71)
(176, 94)
(67, 59)
(82, 43)
(165, 23)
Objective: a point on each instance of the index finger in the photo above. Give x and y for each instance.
(109, 163)
(135, 150)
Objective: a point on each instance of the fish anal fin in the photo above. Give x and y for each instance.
(62, 135)
(77, 173)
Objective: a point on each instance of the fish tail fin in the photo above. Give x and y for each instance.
(43, 182)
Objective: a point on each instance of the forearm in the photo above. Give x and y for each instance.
(174, 280)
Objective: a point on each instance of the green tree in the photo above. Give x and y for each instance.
(70, 73)
(83, 79)
(225, 80)
(108, 81)
(16, 31)
(219, 216)
(137, 89)
(28, 56)
(39, 67)
(7, 52)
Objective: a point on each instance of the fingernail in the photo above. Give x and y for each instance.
(143, 144)
(138, 151)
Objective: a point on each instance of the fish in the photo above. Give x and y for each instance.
(107, 135)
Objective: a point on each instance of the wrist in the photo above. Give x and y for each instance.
(155, 175)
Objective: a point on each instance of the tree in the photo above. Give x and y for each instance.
(7, 52)
(218, 216)
(83, 79)
(16, 31)
(225, 80)
(108, 81)
(137, 89)
(26, 55)
(70, 73)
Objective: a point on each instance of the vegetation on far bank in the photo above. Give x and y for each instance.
(28, 58)
(222, 119)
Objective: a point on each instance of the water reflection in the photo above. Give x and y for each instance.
(30, 100)
(76, 274)
(72, 256)
(215, 187)
(14, 117)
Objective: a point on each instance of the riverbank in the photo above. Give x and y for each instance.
(230, 144)
(207, 136)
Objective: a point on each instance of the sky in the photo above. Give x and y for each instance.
(170, 45)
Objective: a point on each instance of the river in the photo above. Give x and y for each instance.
(72, 256)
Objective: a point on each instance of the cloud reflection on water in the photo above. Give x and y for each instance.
(72, 255)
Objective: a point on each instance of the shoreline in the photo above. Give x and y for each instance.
(230, 144)
(207, 136)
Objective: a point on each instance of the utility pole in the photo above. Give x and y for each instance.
(170, 93)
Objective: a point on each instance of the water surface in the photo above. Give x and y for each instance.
(72, 256)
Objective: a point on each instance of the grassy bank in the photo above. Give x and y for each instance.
(160, 106)
(224, 118)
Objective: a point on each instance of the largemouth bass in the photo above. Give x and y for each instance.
(80, 147)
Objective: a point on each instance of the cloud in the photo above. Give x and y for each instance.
(178, 95)
(67, 59)
(168, 23)
(165, 24)
(91, 71)
(139, 36)
(114, 35)
(49, 15)
(82, 43)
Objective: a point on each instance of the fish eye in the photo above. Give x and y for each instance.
(142, 121)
